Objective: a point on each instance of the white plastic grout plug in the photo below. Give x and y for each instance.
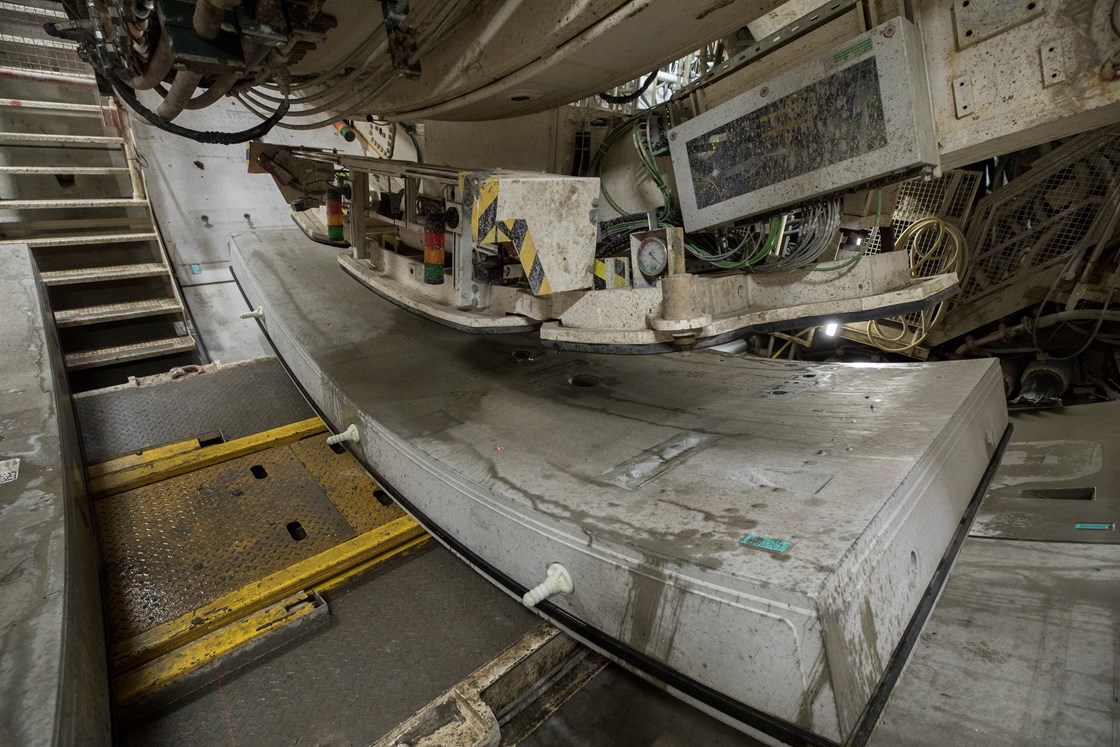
(557, 581)
(350, 434)
(257, 313)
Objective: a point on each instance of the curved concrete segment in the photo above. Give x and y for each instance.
(755, 534)
(54, 684)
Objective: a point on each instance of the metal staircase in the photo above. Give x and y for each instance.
(71, 187)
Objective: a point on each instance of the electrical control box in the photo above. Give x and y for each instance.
(854, 117)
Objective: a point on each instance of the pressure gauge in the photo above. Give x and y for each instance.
(653, 256)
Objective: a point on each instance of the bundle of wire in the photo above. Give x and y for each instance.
(755, 244)
(614, 234)
(935, 246)
(808, 235)
(812, 233)
(638, 126)
(354, 84)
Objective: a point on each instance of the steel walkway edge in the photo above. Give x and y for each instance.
(163, 462)
(171, 659)
(321, 572)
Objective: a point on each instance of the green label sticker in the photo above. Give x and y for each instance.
(766, 543)
(1092, 526)
(857, 49)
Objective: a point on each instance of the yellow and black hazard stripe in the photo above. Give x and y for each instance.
(516, 231)
(612, 272)
(484, 216)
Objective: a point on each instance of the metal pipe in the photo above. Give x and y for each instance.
(158, 67)
(208, 16)
(13, 73)
(61, 106)
(1045, 380)
(220, 87)
(182, 88)
(1045, 321)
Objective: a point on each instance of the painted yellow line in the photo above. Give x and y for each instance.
(175, 464)
(358, 570)
(128, 461)
(161, 672)
(307, 574)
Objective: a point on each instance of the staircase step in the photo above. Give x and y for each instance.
(103, 274)
(17, 73)
(62, 228)
(125, 353)
(37, 42)
(38, 137)
(106, 238)
(58, 106)
(116, 312)
(98, 202)
(52, 170)
(31, 10)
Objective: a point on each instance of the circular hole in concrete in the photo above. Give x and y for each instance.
(779, 392)
(584, 381)
(258, 471)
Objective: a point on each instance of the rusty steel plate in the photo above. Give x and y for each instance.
(346, 484)
(170, 547)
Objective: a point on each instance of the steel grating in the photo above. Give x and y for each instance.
(949, 197)
(235, 401)
(1026, 231)
(24, 45)
(345, 483)
(170, 547)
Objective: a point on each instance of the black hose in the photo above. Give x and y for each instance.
(96, 55)
(255, 132)
(627, 98)
(415, 143)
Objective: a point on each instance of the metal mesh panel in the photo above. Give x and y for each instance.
(1014, 234)
(949, 198)
(1023, 233)
(24, 44)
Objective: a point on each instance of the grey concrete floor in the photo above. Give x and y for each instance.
(216, 309)
(617, 708)
(1023, 647)
(234, 401)
(398, 638)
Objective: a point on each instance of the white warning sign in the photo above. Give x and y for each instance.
(9, 470)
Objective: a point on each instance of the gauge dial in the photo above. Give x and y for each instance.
(653, 256)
